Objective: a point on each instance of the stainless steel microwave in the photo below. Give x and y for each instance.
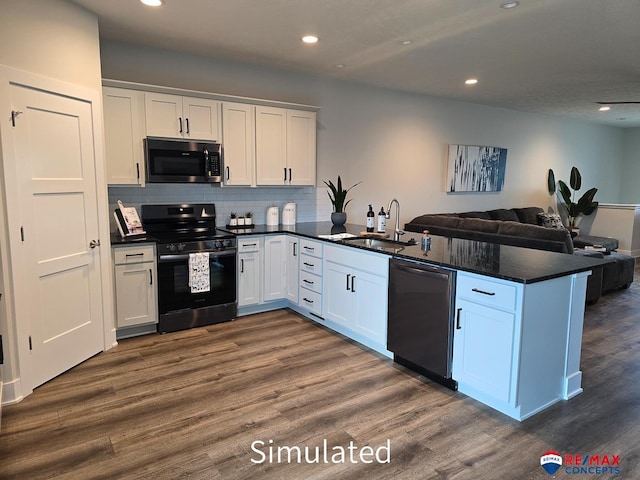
(176, 161)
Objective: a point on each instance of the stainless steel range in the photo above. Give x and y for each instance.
(196, 266)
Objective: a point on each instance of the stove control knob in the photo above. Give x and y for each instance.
(181, 247)
(227, 243)
(218, 244)
(171, 247)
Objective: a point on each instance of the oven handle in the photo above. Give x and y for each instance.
(185, 256)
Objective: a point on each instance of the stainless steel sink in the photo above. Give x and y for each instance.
(376, 244)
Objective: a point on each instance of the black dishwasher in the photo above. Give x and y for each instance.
(420, 320)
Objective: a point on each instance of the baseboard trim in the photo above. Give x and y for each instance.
(12, 392)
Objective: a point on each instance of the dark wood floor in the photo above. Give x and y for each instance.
(190, 404)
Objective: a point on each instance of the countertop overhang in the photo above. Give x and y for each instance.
(517, 264)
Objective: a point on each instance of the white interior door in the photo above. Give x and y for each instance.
(59, 288)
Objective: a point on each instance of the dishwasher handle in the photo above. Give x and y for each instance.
(425, 270)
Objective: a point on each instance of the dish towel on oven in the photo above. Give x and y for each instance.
(199, 272)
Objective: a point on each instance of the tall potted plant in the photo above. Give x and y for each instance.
(567, 197)
(338, 197)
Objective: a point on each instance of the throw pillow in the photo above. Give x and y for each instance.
(550, 220)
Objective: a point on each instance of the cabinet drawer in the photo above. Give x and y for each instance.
(134, 254)
(311, 301)
(311, 281)
(309, 247)
(486, 292)
(310, 264)
(249, 244)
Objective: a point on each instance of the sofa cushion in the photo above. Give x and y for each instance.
(503, 214)
(479, 225)
(528, 214)
(438, 220)
(483, 215)
(550, 220)
(518, 229)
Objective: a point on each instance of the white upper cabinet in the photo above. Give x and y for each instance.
(301, 147)
(238, 143)
(285, 146)
(174, 116)
(271, 146)
(124, 134)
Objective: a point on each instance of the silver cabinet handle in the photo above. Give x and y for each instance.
(94, 243)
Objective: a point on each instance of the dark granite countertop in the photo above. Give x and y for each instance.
(518, 264)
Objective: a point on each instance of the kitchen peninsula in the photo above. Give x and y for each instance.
(516, 344)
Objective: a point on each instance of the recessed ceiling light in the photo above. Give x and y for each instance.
(340, 65)
(406, 42)
(471, 81)
(152, 3)
(509, 5)
(604, 109)
(310, 39)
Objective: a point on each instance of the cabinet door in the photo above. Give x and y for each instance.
(271, 146)
(249, 278)
(338, 302)
(135, 294)
(123, 130)
(483, 349)
(275, 267)
(293, 274)
(301, 147)
(163, 114)
(201, 119)
(238, 142)
(370, 313)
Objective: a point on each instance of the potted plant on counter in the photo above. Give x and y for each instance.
(567, 197)
(248, 218)
(233, 219)
(338, 197)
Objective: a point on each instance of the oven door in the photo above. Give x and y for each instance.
(174, 293)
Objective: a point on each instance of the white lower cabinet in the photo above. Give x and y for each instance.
(293, 266)
(310, 276)
(249, 270)
(135, 285)
(511, 347)
(275, 267)
(483, 347)
(354, 296)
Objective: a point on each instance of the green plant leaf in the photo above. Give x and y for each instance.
(575, 179)
(565, 193)
(551, 182)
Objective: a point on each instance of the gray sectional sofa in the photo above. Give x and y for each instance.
(519, 227)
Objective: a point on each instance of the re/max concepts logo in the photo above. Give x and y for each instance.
(587, 464)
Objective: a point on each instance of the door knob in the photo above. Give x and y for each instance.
(94, 243)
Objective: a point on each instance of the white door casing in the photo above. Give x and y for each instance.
(52, 216)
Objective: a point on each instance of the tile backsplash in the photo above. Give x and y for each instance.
(312, 204)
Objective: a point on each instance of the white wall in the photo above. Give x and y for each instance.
(395, 142)
(56, 39)
(630, 188)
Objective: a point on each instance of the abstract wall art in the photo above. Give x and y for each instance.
(476, 169)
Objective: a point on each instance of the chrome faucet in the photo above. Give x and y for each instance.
(396, 230)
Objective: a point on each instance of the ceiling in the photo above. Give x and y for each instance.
(554, 57)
